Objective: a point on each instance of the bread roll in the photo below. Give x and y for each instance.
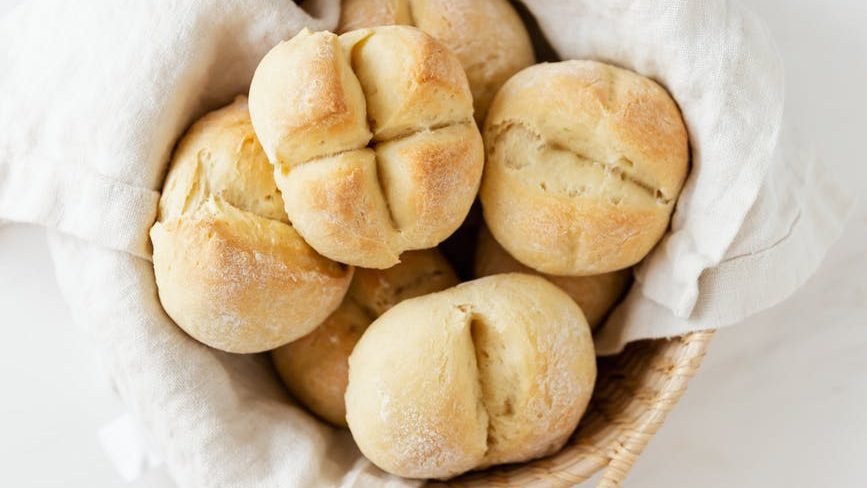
(595, 294)
(487, 36)
(584, 164)
(372, 138)
(496, 370)
(230, 270)
(315, 367)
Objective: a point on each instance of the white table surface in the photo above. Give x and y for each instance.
(780, 402)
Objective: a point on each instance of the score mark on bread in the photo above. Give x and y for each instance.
(371, 133)
(487, 36)
(492, 371)
(230, 269)
(584, 164)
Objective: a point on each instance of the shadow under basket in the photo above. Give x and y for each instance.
(634, 392)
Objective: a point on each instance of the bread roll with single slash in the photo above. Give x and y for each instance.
(230, 269)
(585, 162)
(372, 139)
(496, 370)
(487, 36)
(315, 368)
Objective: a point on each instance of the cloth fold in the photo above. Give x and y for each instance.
(97, 93)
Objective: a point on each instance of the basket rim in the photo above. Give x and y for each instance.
(622, 445)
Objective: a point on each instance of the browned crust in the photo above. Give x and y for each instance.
(496, 370)
(627, 151)
(487, 36)
(410, 87)
(315, 368)
(595, 294)
(230, 270)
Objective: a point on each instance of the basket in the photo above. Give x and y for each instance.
(634, 392)
(101, 198)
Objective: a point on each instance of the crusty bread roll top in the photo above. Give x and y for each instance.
(372, 139)
(487, 36)
(229, 268)
(585, 162)
(496, 370)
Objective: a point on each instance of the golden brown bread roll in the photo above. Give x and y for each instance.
(315, 367)
(595, 294)
(487, 36)
(495, 370)
(229, 268)
(317, 101)
(584, 164)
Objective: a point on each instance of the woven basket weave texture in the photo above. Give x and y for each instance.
(634, 392)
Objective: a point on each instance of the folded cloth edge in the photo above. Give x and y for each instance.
(774, 273)
(35, 192)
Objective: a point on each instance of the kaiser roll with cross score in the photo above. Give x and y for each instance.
(373, 140)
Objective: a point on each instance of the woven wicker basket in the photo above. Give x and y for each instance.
(634, 392)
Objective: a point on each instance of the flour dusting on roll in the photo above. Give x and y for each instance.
(487, 36)
(230, 270)
(585, 162)
(372, 139)
(496, 370)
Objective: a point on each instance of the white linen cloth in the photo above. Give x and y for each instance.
(96, 93)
